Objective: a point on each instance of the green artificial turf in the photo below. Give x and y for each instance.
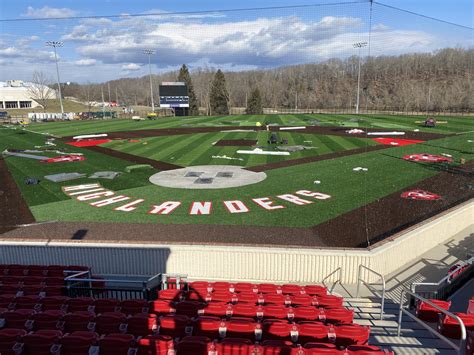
(47, 191)
(387, 173)
(454, 124)
(198, 148)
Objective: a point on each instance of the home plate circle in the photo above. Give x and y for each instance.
(207, 177)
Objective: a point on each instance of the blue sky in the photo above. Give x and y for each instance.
(102, 49)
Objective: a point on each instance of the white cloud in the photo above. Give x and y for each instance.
(380, 27)
(85, 62)
(49, 12)
(131, 67)
(26, 54)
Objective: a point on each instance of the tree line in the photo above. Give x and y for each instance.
(437, 81)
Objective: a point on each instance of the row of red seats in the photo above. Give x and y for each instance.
(41, 270)
(255, 298)
(16, 341)
(447, 326)
(142, 324)
(47, 342)
(247, 287)
(188, 308)
(31, 290)
(31, 280)
(68, 304)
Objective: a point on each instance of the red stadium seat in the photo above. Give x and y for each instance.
(269, 288)
(245, 287)
(20, 319)
(55, 290)
(161, 307)
(7, 300)
(303, 314)
(54, 281)
(301, 300)
(9, 280)
(47, 320)
(110, 322)
(323, 351)
(175, 325)
(142, 324)
(115, 344)
(428, 313)
(366, 350)
(172, 295)
(41, 342)
(317, 345)
(28, 302)
(244, 310)
(37, 270)
(211, 327)
(218, 309)
(81, 320)
(56, 270)
(155, 345)
(316, 290)
(33, 290)
(78, 343)
(222, 286)
(241, 328)
(222, 296)
(449, 326)
(292, 289)
(106, 305)
(271, 349)
(200, 285)
(275, 311)
(336, 315)
(17, 270)
(80, 304)
(35, 280)
(279, 330)
(353, 334)
(278, 299)
(9, 338)
(313, 332)
(54, 302)
(194, 346)
(329, 301)
(11, 289)
(134, 306)
(250, 297)
(189, 308)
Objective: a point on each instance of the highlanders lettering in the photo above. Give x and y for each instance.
(96, 193)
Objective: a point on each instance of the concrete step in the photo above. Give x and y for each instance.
(411, 345)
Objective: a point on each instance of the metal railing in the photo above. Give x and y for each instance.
(459, 348)
(338, 281)
(447, 283)
(359, 281)
(177, 279)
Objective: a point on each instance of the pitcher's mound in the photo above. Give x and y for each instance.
(207, 177)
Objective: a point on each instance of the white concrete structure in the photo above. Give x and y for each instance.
(18, 94)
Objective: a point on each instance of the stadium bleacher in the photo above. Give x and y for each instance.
(37, 317)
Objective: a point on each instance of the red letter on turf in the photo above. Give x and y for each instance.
(165, 208)
(201, 208)
(129, 206)
(266, 203)
(236, 206)
(316, 195)
(294, 199)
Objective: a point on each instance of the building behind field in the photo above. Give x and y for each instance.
(19, 94)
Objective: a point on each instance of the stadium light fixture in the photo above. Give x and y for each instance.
(56, 44)
(359, 45)
(150, 52)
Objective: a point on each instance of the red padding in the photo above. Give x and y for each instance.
(88, 142)
(64, 159)
(396, 142)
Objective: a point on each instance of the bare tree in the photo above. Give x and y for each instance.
(39, 89)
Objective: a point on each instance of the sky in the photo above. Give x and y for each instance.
(103, 48)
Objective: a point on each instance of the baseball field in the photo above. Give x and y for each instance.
(329, 180)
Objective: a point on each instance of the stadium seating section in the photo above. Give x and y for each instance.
(202, 318)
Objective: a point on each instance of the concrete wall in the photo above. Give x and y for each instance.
(246, 263)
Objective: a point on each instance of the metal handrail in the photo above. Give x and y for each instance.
(459, 348)
(339, 269)
(414, 285)
(359, 280)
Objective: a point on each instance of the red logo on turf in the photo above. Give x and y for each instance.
(428, 158)
(420, 195)
(64, 159)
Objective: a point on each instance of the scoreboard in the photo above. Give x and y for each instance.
(174, 95)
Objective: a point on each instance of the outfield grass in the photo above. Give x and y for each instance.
(198, 148)
(453, 125)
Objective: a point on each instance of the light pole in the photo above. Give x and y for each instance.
(56, 44)
(359, 45)
(149, 52)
